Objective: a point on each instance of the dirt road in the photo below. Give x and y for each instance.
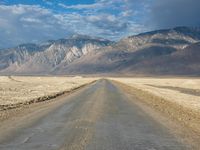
(97, 117)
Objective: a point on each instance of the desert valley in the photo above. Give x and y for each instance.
(135, 64)
(99, 75)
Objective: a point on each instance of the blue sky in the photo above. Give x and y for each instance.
(23, 21)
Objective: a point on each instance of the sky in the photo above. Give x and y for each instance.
(33, 21)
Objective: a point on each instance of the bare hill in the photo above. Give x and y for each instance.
(163, 52)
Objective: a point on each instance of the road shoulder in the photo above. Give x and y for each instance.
(144, 100)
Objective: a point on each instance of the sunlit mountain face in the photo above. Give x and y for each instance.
(170, 51)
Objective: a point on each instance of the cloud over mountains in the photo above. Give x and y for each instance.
(34, 21)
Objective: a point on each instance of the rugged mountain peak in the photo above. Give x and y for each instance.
(181, 30)
(85, 54)
(178, 37)
(80, 36)
(47, 56)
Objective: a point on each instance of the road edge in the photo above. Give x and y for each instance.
(42, 98)
(166, 113)
(186, 116)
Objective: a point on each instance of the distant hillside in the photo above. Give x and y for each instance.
(147, 53)
(178, 37)
(181, 62)
(44, 58)
(162, 52)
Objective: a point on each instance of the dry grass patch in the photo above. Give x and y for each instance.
(183, 91)
(19, 90)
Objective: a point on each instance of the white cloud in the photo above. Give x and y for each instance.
(30, 20)
(25, 23)
(48, 2)
(127, 13)
(83, 6)
(30, 23)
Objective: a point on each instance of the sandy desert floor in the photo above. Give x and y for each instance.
(19, 89)
(183, 91)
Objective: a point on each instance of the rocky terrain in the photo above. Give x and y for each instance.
(162, 52)
(47, 57)
(180, 62)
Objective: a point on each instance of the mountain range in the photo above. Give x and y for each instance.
(163, 52)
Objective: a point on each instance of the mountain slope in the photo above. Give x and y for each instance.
(113, 61)
(178, 37)
(140, 56)
(150, 61)
(185, 61)
(171, 51)
(18, 55)
(44, 58)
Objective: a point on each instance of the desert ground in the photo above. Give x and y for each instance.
(183, 91)
(110, 113)
(19, 89)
